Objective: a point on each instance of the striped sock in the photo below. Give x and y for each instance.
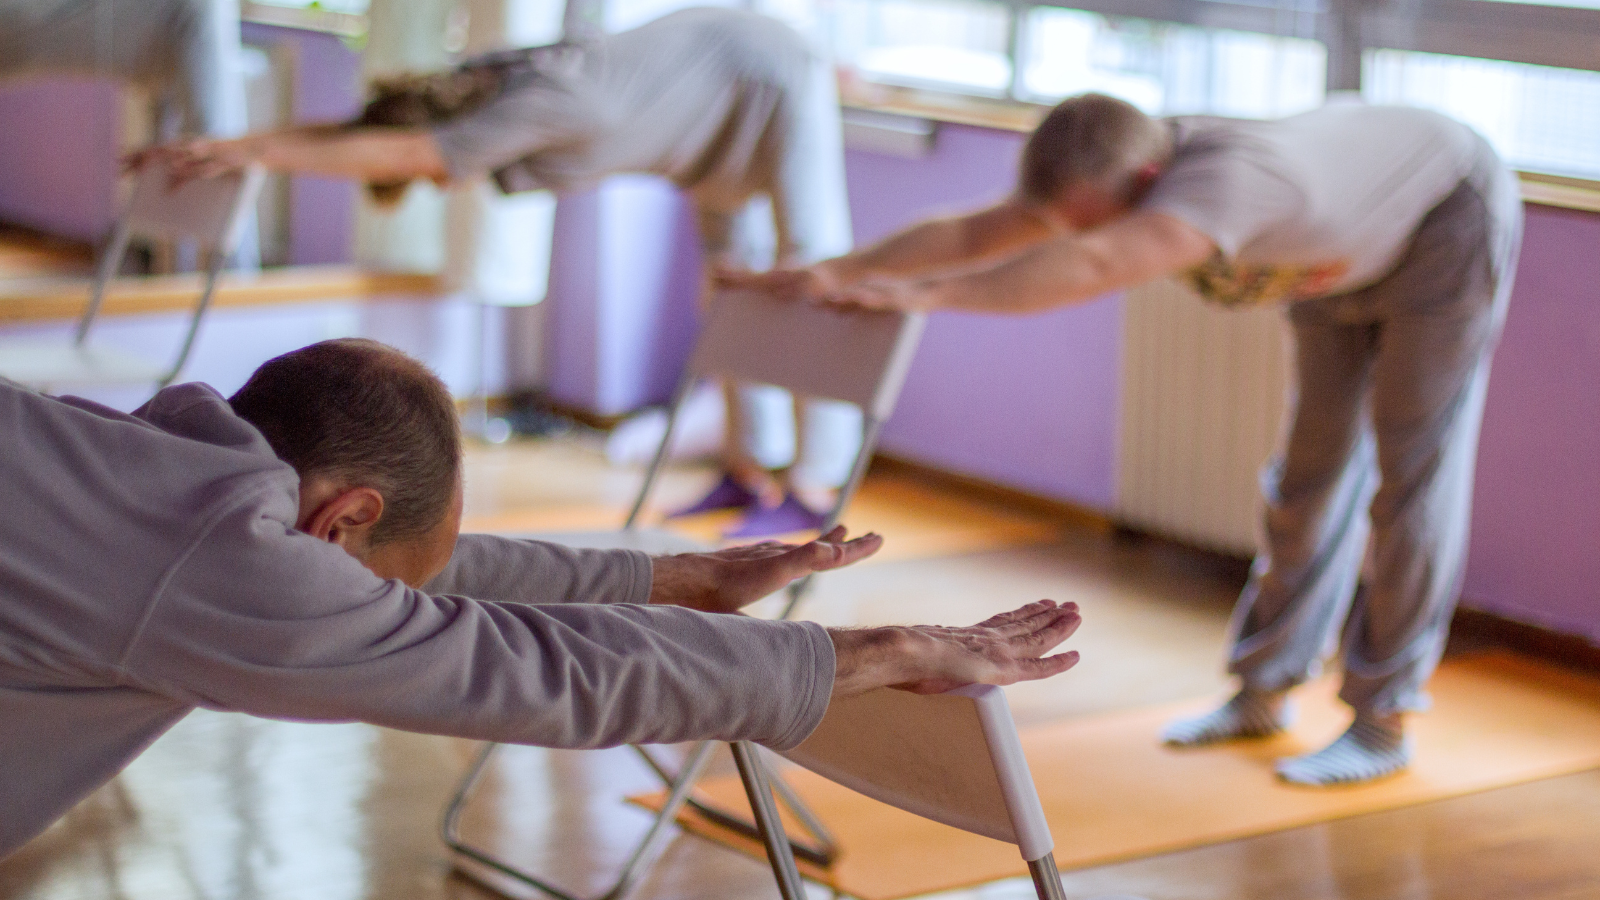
(1372, 748)
(1250, 714)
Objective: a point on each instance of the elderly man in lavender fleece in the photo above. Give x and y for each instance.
(294, 552)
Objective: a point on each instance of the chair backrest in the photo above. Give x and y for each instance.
(953, 757)
(209, 211)
(858, 356)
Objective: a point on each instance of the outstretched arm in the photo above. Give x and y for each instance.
(930, 248)
(369, 153)
(941, 245)
(1130, 250)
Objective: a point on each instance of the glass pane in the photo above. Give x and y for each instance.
(1167, 69)
(959, 44)
(1538, 118)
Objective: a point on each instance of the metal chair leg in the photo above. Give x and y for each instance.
(642, 854)
(822, 853)
(1046, 878)
(756, 787)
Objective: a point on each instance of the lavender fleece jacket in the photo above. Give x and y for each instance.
(149, 564)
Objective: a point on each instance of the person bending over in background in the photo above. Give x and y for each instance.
(293, 552)
(732, 107)
(1391, 235)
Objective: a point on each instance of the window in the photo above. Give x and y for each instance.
(1525, 74)
(957, 44)
(1538, 118)
(1164, 68)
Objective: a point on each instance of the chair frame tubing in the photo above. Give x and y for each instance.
(679, 784)
(111, 260)
(1046, 877)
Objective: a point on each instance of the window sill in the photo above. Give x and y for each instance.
(1012, 115)
(345, 25)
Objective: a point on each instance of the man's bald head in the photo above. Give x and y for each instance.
(1093, 140)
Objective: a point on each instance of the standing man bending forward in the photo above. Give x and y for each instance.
(1391, 235)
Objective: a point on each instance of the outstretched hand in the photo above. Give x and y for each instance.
(194, 159)
(899, 294)
(932, 659)
(821, 283)
(728, 580)
(813, 283)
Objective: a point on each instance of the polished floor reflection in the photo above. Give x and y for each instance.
(230, 807)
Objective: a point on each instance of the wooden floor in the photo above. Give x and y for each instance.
(230, 807)
(26, 255)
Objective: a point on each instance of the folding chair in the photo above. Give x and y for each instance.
(953, 757)
(856, 356)
(209, 211)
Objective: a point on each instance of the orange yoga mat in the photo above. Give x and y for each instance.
(1113, 793)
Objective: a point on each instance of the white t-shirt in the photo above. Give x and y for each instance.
(1316, 204)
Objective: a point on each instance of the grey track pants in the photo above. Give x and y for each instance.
(1383, 437)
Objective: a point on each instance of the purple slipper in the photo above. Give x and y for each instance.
(728, 494)
(787, 518)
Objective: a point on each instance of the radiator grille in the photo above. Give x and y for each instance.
(1202, 399)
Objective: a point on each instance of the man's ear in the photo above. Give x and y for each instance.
(343, 516)
(1146, 177)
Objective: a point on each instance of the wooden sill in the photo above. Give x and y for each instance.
(63, 299)
(1013, 115)
(326, 21)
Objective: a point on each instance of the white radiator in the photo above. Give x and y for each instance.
(1202, 399)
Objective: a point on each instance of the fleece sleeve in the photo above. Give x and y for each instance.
(513, 570)
(261, 619)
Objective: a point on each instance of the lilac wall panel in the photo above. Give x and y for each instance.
(1029, 402)
(1536, 521)
(624, 283)
(327, 87)
(58, 155)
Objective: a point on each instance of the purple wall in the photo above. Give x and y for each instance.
(58, 155)
(624, 285)
(327, 87)
(59, 143)
(1029, 402)
(1536, 520)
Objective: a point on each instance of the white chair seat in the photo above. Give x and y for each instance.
(54, 366)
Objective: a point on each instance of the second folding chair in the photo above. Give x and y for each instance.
(210, 211)
(856, 356)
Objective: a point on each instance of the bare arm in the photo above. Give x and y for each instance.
(1130, 250)
(945, 244)
(368, 153)
(937, 246)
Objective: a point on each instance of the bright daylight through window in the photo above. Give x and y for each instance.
(1524, 74)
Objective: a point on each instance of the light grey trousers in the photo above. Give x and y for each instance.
(807, 220)
(1390, 386)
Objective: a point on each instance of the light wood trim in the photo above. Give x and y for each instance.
(58, 299)
(327, 21)
(1556, 190)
